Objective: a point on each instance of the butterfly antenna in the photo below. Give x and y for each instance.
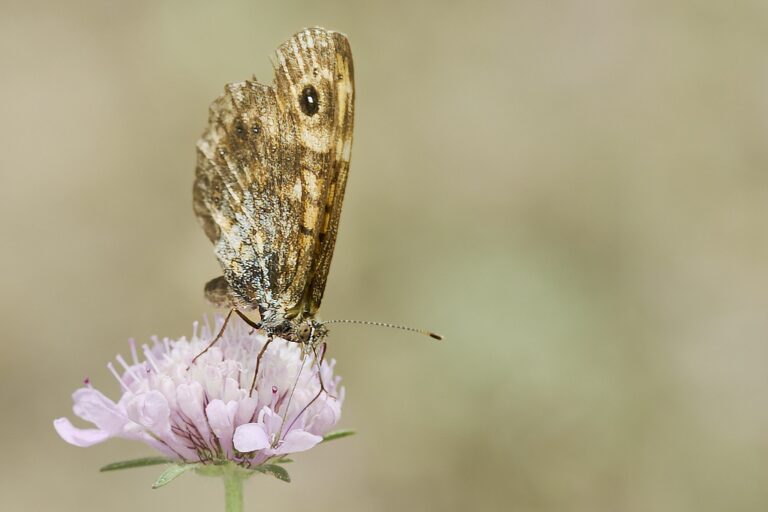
(391, 326)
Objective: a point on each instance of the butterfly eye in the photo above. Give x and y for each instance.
(309, 100)
(240, 130)
(304, 332)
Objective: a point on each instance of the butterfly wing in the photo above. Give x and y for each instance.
(269, 180)
(322, 61)
(238, 193)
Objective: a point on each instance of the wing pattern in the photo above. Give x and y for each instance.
(271, 172)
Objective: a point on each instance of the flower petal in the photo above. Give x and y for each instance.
(218, 417)
(324, 417)
(272, 421)
(190, 400)
(250, 437)
(246, 410)
(221, 418)
(150, 410)
(297, 441)
(82, 437)
(91, 405)
(231, 390)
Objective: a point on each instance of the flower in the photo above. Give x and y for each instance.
(204, 411)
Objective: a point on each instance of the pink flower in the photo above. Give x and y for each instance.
(202, 412)
(265, 435)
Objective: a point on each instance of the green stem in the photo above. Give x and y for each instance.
(233, 490)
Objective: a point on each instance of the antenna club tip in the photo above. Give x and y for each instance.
(436, 336)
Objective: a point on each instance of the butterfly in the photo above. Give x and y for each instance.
(272, 166)
(271, 171)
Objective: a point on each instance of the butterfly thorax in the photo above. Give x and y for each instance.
(297, 324)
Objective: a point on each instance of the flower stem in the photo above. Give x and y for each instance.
(233, 490)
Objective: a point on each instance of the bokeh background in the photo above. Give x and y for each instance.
(573, 192)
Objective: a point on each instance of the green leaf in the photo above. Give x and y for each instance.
(172, 472)
(337, 434)
(136, 463)
(278, 472)
(282, 460)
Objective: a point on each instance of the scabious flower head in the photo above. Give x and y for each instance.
(202, 412)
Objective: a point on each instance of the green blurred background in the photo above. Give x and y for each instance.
(574, 193)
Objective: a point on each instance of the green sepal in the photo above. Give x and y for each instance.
(220, 468)
(172, 472)
(278, 472)
(136, 463)
(337, 434)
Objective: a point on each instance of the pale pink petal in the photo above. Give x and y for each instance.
(246, 410)
(218, 416)
(190, 397)
(297, 441)
(190, 400)
(231, 390)
(82, 437)
(271, 420)
(232, 407)
(91, 405)
(148, 409)
(167, 387)
(250, 437)
(221, 418)
(213, 385)
(325, 416)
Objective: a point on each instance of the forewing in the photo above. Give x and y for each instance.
(322, 60)
(344, 86)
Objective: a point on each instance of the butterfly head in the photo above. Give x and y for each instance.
(311, 332)
(306, 331)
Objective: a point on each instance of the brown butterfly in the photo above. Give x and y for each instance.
(271, 172)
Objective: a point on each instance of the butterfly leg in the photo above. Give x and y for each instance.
(270, 339)
(254, 325)
(323, 350)
(218, 336)
(319, 361)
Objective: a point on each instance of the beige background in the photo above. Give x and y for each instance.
(574, 193)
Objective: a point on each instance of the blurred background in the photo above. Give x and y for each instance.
(574, 193)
